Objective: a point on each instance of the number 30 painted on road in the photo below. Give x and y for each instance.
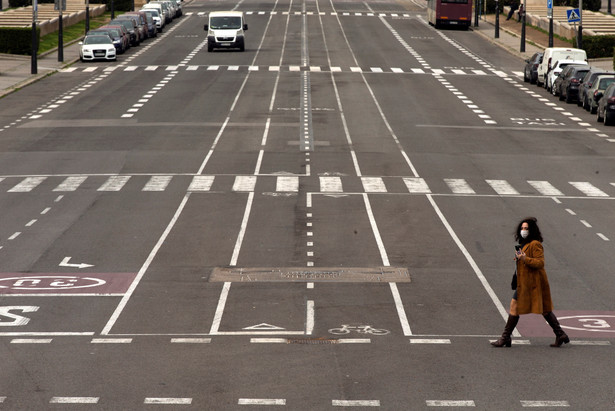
(17, 320)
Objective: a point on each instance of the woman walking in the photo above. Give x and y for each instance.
(532, 294)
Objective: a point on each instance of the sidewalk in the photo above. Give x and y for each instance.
(535, 40)
(15, 70)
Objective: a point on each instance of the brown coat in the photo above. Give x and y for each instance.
(533, 292)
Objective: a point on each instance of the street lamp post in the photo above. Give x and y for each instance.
(87, 16)
(522, 48)
(497, 19)
(33, 62)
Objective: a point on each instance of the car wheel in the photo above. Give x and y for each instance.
(598, 117)
(592, 109)
(525, 79)
(568, 99)
(608, 119)
(586, 104)
(560, 95)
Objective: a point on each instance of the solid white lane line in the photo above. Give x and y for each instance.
(401, 312)
(111, 341)
(448, 403)
(430, 341)
(145, 266)
(215, 325)
(309, 323)
(268, 340)
(31, 341)
(168, 401)
(545, 404)
(470, 260)
(74, 400)
(355, 403)
(375, 231)
(261, 401)
(605, 238)
(190, 340)
(242, 231)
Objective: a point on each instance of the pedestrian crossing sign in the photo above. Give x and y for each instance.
(573, 15)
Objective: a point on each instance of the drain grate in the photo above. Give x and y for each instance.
(312, 341)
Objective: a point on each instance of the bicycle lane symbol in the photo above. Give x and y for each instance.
(360, 329)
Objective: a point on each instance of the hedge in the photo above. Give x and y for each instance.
(591, 5)
(17, 40)
(598, 46)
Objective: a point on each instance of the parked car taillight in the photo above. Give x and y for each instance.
(574, 80)
(611, 100)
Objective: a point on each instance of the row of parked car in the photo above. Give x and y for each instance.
(566, 74)
(128, 30)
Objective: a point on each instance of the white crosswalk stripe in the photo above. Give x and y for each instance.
(502, 187)
(157, 183)
(287, 184)
(201, 183)
(588, 189)
(27, 184)
(70, 183)
(331, 185)
(244, 183)
(417, 185)
(373, 185)
(114, 183)
(545, 188)
(459, 186)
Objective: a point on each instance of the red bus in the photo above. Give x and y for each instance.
(449, 12)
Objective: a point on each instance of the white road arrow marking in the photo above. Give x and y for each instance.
(65, 263)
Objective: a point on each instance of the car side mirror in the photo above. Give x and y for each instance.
(245, 26)
(206, 27)
(81, 43)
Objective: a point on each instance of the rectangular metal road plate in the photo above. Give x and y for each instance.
(302, 274)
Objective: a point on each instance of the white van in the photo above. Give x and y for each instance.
(226, 30)
(553, 54)
(158, 7)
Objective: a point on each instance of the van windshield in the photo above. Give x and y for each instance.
(231, 23)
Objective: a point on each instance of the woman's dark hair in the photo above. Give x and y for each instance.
(534, 231)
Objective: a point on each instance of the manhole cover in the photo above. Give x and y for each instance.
(294, 274)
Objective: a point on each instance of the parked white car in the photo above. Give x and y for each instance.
(557, 68)
(553, 54)
(97, 47)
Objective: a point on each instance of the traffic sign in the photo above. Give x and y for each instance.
(573, 15)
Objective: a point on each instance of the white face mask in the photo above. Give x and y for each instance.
(524, 233)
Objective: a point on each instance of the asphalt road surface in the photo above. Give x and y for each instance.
(324, 220)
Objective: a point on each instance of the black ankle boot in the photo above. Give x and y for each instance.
(505, 339)
(560, 335)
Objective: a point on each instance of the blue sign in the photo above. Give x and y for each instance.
(573, 15)
(549, 4)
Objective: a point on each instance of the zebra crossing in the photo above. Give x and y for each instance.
(289, 68)
(313, 13)
(295, 183)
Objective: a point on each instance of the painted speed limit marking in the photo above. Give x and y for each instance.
(595, 323)
(97, 284)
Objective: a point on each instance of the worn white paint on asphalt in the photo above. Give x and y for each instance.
(261, 401)
(450, 403)
(545, 188)
(74, 400)
(331, 184)
(114, 183)
(355, 403)
(168, 401)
